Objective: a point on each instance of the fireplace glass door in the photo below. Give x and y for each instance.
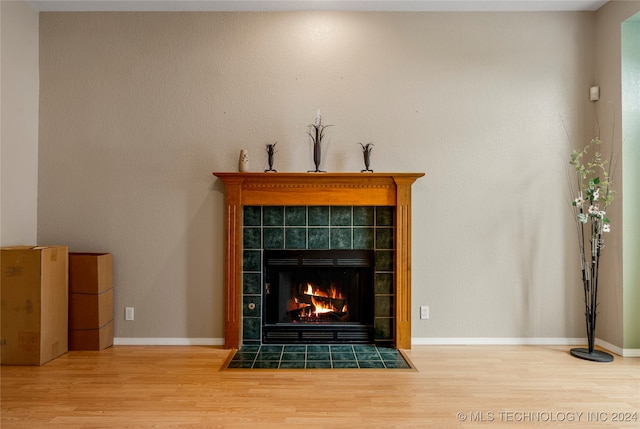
(318, 296)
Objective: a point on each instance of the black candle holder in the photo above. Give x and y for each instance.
(316, 138)
(366, 153)
(271, 152)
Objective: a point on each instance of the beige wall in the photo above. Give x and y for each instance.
(19, 124)
(138, 109)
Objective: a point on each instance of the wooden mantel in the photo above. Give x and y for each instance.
(317, 189)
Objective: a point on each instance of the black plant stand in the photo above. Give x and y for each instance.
(594, 356)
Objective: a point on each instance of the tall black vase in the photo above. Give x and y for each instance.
(316, 138)
(590, 353)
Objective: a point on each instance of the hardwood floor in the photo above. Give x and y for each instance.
(452, 387)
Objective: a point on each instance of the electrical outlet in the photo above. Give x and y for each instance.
(128, 313)
(424, 311)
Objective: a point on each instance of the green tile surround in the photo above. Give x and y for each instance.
(317, 227)
(322, 356)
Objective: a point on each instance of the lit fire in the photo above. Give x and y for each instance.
(322, 302)
(331, 293)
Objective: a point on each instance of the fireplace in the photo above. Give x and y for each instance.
(310, 190)
(318, 296)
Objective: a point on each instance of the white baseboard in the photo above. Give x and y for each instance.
(439, 341)
(168, 341)
(618, 350)
(534, 341)
(458, 341)
(497, 341)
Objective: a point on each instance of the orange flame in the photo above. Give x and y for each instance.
(331, 293)
(320, 306)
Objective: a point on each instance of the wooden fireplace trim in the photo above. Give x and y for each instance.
(317, 189)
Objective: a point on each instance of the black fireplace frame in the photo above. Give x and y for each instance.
(361, 261)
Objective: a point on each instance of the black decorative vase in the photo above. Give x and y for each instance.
(316, 138)
(590, 353)
(317, 152)
(271, 153)
(366, 154)
(591, 299)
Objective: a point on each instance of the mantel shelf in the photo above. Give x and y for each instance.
(376, 189)
(315, 176)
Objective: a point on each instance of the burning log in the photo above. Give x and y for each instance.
(321, 303)
(307, 314)
(311, 304)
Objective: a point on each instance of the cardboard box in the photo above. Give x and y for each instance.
(90, 301)
(90, 311)
(91, 339)
(90, 272)
(34, 299)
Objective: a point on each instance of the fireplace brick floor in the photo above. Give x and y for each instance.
(317, 356)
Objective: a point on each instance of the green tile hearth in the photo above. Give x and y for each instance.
(334, 356)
